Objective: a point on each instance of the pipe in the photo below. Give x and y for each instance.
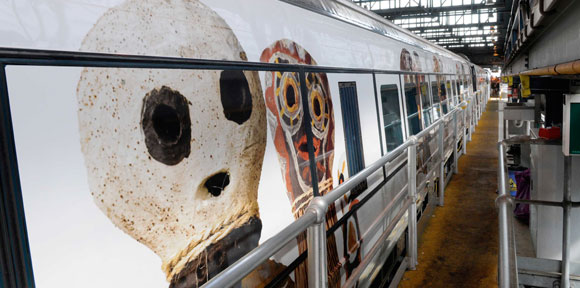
(567, 68)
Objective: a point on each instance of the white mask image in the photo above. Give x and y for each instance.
(174, 156)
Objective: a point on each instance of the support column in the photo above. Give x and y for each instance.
(412, 194)
(442, 163)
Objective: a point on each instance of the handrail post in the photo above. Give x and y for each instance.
(473, 118)
(316, 238)
(565, 281)
(508, 276)
(480, 106)
(442, 163)
(455, 138)
(468, 126)
(504, 280)
(412, 194)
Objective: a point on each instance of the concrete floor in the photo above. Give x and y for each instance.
(459, 247)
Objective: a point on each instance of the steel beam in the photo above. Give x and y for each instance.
(423, 9)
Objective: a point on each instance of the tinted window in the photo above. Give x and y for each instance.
(443, 96)
(391, 116)
(449, 89)
(435, 96)
(412, 103)
(426, 104)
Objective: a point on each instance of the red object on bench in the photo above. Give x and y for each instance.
(550, 133)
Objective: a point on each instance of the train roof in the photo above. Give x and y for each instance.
(353, 14)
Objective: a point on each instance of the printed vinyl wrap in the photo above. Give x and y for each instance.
(165, 177)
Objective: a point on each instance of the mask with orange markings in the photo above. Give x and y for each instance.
(286, 113)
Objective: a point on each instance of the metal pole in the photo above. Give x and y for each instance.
(471, 127)
(442, 163)
(528, 128)
(465, 124)
(508, 270)
(566, 217)
(504, 268)
(317, 275)
(237, 271)
(500, 122)
(316, 237)
(455, 169)
(412, 214)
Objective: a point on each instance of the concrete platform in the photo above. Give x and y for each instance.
(459, 247)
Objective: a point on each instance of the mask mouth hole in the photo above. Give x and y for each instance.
(217, 183)
(166, 124)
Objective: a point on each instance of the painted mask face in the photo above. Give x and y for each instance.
(286, 111)
(174, 156)
(406, 61)
(416, 63)
(436, 65)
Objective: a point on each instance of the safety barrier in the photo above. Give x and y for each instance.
(313, 221)
(508, 263)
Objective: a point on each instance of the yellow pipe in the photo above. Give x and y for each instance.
(568, 68)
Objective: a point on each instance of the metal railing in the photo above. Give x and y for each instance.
(508, 263)
(313, 220)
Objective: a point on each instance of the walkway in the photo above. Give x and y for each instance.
(459, 247)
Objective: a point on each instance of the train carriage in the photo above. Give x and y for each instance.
(201, 129)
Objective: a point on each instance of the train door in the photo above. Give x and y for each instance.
(357, 143)
(391, 108)
(411, 91)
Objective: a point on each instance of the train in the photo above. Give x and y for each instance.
(185, 133)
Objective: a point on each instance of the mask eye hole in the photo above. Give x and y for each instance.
(290, 95)
(235, 96)
(166, 125)
(317, 105)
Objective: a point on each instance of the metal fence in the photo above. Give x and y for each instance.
(508, 261)
(15, 254)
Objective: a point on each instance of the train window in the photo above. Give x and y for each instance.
(391, 116)
(443, 94)
(426, 104)
(412, 102)
(351, 123)
(435, 94)
(459, 90)
(449, 93)
(455, 92)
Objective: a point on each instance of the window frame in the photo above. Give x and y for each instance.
(390, 79)
(403, 89)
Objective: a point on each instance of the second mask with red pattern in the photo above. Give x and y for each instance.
(286, 112)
